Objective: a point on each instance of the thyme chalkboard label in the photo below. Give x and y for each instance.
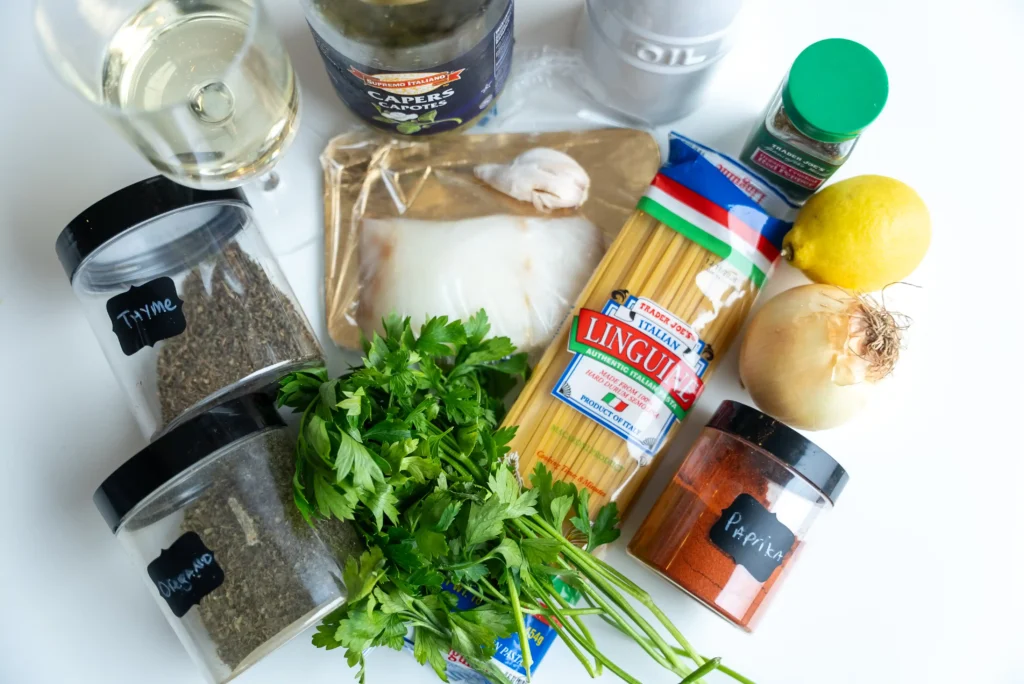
(185, 573)
(752, 537)
(144, 315)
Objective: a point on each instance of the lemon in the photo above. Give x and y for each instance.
(861, 234)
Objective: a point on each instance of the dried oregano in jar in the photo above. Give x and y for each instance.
(207, 513)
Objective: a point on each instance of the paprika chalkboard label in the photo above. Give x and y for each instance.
(146, 314)
(185, 573)
(752, 536)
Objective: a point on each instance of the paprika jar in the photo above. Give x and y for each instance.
(729, 524)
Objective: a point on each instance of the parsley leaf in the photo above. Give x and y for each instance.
(407, 447)
(603, 530)
(360, 576)
(356, 459)
(477, 328)
(438, 335)
(428, 647)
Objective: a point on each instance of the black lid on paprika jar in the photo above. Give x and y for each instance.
(784, 443)
(179, 450)
(136, 205)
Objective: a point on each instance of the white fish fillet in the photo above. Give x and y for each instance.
(526, 272)
(548, 178)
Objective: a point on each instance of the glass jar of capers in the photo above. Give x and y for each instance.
(415, 67)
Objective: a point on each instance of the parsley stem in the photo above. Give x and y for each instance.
(651, 648)
(643, 597)
(559, 622)
(606, 571)
(580, 625)
(586, 562)
(600, 657)
(493, 589)
(571, 642)
(706, 668)
(566, 611)
(517, 613)
(479, 596)
(456, 465)
(450, 448)
(734, 674)
(593, 597)
(721, 668)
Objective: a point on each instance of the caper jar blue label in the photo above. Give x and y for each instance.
(435, 100)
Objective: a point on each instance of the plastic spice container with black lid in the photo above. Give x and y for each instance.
(207, 514)
(185, 298)
(736, 514)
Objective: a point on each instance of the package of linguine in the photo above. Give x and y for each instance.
(511, 223)
(650, 326)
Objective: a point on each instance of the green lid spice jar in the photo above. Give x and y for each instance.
(834, 90)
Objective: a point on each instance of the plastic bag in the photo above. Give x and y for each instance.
(410, 229)
(663, 307)
(551, 89)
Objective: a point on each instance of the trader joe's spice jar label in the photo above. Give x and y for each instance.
(637, 369)
(439, 99)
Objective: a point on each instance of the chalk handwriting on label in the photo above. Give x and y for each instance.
(752, 536)
(183, 581)
(146, 314)
(185, 572)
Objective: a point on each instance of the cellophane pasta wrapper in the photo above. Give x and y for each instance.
(648, 330)
(409, 229)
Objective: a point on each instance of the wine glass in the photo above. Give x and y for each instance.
(204, 89)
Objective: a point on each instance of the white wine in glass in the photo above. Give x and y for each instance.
(203, 88)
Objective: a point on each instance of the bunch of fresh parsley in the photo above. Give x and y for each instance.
(407, 447)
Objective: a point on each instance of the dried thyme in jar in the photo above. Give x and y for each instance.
(243, 333)
(207, 512)
(185, 298)
(834, 90)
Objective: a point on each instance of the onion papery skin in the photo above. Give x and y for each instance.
(800, 358)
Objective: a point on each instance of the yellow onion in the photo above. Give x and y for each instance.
(813, 355)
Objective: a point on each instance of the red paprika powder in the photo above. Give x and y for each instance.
(733, 517)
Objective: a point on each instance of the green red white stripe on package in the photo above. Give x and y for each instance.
(637, 368)
(752, 184)
(722, 213)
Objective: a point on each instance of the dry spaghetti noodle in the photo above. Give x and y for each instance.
(659, 312)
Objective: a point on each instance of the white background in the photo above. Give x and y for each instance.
(915, 577)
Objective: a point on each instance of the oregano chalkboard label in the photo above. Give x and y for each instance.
(146, 314)
(752, 536)
(185, 573)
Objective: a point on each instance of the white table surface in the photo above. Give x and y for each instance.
(915, 577)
